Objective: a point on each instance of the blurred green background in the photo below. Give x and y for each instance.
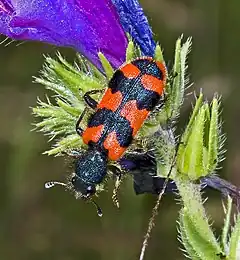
(50, 224)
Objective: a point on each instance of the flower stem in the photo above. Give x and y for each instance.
(195, 230)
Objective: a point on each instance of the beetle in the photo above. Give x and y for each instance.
(134, 90)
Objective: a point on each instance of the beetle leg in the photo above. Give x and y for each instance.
(89, 100)
(91, 103)
(79, 130)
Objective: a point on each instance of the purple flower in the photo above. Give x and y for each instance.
(136, 24)
(225, 187)
(89, 26)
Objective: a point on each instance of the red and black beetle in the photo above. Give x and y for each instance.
(133, 92)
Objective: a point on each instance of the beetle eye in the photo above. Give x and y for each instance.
(91, 190)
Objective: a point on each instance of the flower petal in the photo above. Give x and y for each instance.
(136, 24)
(225, 187)
(143, 168)
(5, 10)
(88, 26)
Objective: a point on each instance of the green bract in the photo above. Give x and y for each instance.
(69, 83)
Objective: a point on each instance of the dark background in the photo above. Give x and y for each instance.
(50, 224)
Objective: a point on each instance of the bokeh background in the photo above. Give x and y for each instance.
(50, 224)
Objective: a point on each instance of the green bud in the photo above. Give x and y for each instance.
(190, 157)
(198, 151)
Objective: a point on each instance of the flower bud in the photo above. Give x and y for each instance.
(198, 151)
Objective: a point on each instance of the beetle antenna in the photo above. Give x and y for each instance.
(50, 184)
(99, 210)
